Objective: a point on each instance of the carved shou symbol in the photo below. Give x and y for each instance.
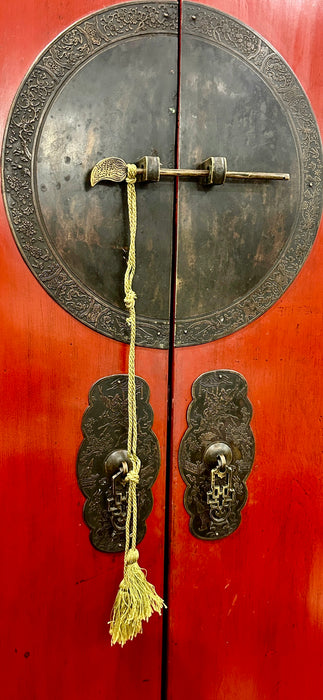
(216, 453)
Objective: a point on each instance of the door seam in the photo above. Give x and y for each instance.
(171, 350)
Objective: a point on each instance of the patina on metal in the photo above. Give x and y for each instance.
(103, 461)
(96, 89)
(149, 170)
(216, 454)
(216, 172)
(117, 466)
(239, 247)
(114, 169)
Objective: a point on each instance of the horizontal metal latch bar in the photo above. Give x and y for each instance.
(257, 176)
(213, 171)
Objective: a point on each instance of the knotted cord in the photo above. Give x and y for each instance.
(130, 304)
(136, 599)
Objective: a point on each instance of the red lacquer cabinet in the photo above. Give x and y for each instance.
(245, 611)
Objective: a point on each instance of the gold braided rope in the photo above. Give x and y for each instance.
(136, 599)
(130, 304)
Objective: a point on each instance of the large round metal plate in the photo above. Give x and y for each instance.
(107, 87)
(241, 244)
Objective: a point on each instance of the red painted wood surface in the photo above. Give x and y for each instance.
(56, 590)
(246, 613)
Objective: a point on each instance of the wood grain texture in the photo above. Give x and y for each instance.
(246, 613)
(56, 590)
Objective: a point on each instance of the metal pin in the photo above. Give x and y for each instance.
(122, 472)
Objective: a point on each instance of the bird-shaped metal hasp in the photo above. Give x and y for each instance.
(114, 169)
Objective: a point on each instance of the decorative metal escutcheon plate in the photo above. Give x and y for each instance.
(240, 245)
(216, 453)
(105, 427)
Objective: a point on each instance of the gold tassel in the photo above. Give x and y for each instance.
(136, 599)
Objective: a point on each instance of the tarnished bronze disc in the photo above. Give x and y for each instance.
(108, 87)
(105, 87)
(240, 245)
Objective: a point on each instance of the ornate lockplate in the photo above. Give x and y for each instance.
(105, 428)
(97, 87)
(240, 245)
(219, 413)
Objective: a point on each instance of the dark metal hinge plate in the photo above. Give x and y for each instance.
(219, 413)
(105, 427)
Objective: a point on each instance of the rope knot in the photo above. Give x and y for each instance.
(137, 598)
(131, 173)
(132, 556)
(130, 299)
(133, 476)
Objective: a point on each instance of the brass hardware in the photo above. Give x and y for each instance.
(102, 469)
(41, 127)
(216, 169)
(213, 171)
(218, 173)
(216, 454)
(221, 496)
(216, 451)
(148, 168)
(116, 465)
(114, 169)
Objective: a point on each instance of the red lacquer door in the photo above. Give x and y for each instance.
(245, 612)
(57, 591)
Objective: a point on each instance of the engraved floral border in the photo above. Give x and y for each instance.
(222, 30)
(219, 411)
(61, 58)
(105, 427)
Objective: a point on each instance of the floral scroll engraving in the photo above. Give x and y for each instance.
(219, 412)
(105, 428)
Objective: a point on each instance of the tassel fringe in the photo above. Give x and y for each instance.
(135, 602)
